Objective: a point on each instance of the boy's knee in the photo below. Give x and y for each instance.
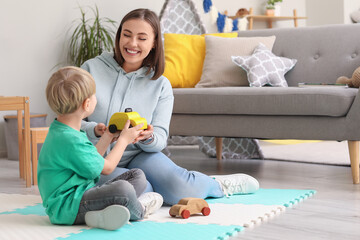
(137, 173)
(123, 189)
(139, 181)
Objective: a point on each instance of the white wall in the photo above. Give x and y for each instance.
(323, 12)
(32, 42)
(32, 39)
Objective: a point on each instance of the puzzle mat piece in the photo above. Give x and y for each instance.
(76, 232)
(30, 227)
(284, 197)
(14, 201)
(21, 223)
(29, 204)
(159, 231)
(223, 214)
(253, 208)
(38, 209)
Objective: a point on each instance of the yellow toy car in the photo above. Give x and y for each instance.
(189, 206)
(118, 120)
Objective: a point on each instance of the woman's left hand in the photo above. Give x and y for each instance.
(147, 133)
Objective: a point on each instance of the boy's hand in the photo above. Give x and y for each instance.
(114, 136)
(130, 135)
(99, 129)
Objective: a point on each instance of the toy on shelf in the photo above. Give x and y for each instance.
(189, 206)
(118, 120)
(353, 82)
(242, 12)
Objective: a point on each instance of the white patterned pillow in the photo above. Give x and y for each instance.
(263, 67)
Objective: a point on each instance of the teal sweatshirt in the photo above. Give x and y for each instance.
(117, 90)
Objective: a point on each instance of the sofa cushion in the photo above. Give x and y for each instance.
(218, 69)
(290, 101)
(324, 53)
(184, 57)
(263, 67)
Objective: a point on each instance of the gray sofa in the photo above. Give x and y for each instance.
(324, 53)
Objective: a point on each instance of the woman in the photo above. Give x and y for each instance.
(132, 78)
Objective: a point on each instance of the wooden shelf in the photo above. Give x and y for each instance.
(270, 19)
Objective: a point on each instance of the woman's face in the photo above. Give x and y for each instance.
(136, 41)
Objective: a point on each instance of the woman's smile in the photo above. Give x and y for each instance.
(131, 52)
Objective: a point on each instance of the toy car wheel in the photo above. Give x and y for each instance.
(185, 214)
(112, 128)
(171, 214)
(205, 211)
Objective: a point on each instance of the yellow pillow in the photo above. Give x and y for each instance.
(184, 57)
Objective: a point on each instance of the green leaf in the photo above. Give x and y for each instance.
(90, 36)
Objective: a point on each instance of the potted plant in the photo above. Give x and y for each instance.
(270, 7)
(90, 37)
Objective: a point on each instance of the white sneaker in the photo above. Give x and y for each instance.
(237, 183)
(151, 202)
(110, 218)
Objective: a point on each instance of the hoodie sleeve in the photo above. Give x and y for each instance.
(161, 120)
(86, 126)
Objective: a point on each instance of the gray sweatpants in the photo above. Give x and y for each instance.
(121, 190)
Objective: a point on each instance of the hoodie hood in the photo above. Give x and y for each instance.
(108, 59)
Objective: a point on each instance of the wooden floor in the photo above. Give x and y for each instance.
(333, 213)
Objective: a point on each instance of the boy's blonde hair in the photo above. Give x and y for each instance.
(68, 88)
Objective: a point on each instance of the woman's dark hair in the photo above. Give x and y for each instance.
(155, 60)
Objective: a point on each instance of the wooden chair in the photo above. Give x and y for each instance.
(37, 135)
(21, 104)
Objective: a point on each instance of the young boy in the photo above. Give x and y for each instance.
(70, 165)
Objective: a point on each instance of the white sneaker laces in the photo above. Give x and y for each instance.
(231, 186)
(149, 208)
(151, 202)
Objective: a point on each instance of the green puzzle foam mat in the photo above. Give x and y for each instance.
(284, 197)
(29, 217)
(155, 231)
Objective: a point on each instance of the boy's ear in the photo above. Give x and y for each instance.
(86, 104)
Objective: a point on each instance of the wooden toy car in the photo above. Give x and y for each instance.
(189, 206)
(118, 120)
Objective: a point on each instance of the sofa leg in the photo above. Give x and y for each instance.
(218, 142)
(354, 159)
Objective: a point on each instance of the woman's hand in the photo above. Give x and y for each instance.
(146, 134)
(127, 136)
(130, 135)
(99, 129)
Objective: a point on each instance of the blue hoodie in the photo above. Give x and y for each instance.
(117, 90)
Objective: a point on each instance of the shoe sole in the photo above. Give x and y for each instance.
(110, 218)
